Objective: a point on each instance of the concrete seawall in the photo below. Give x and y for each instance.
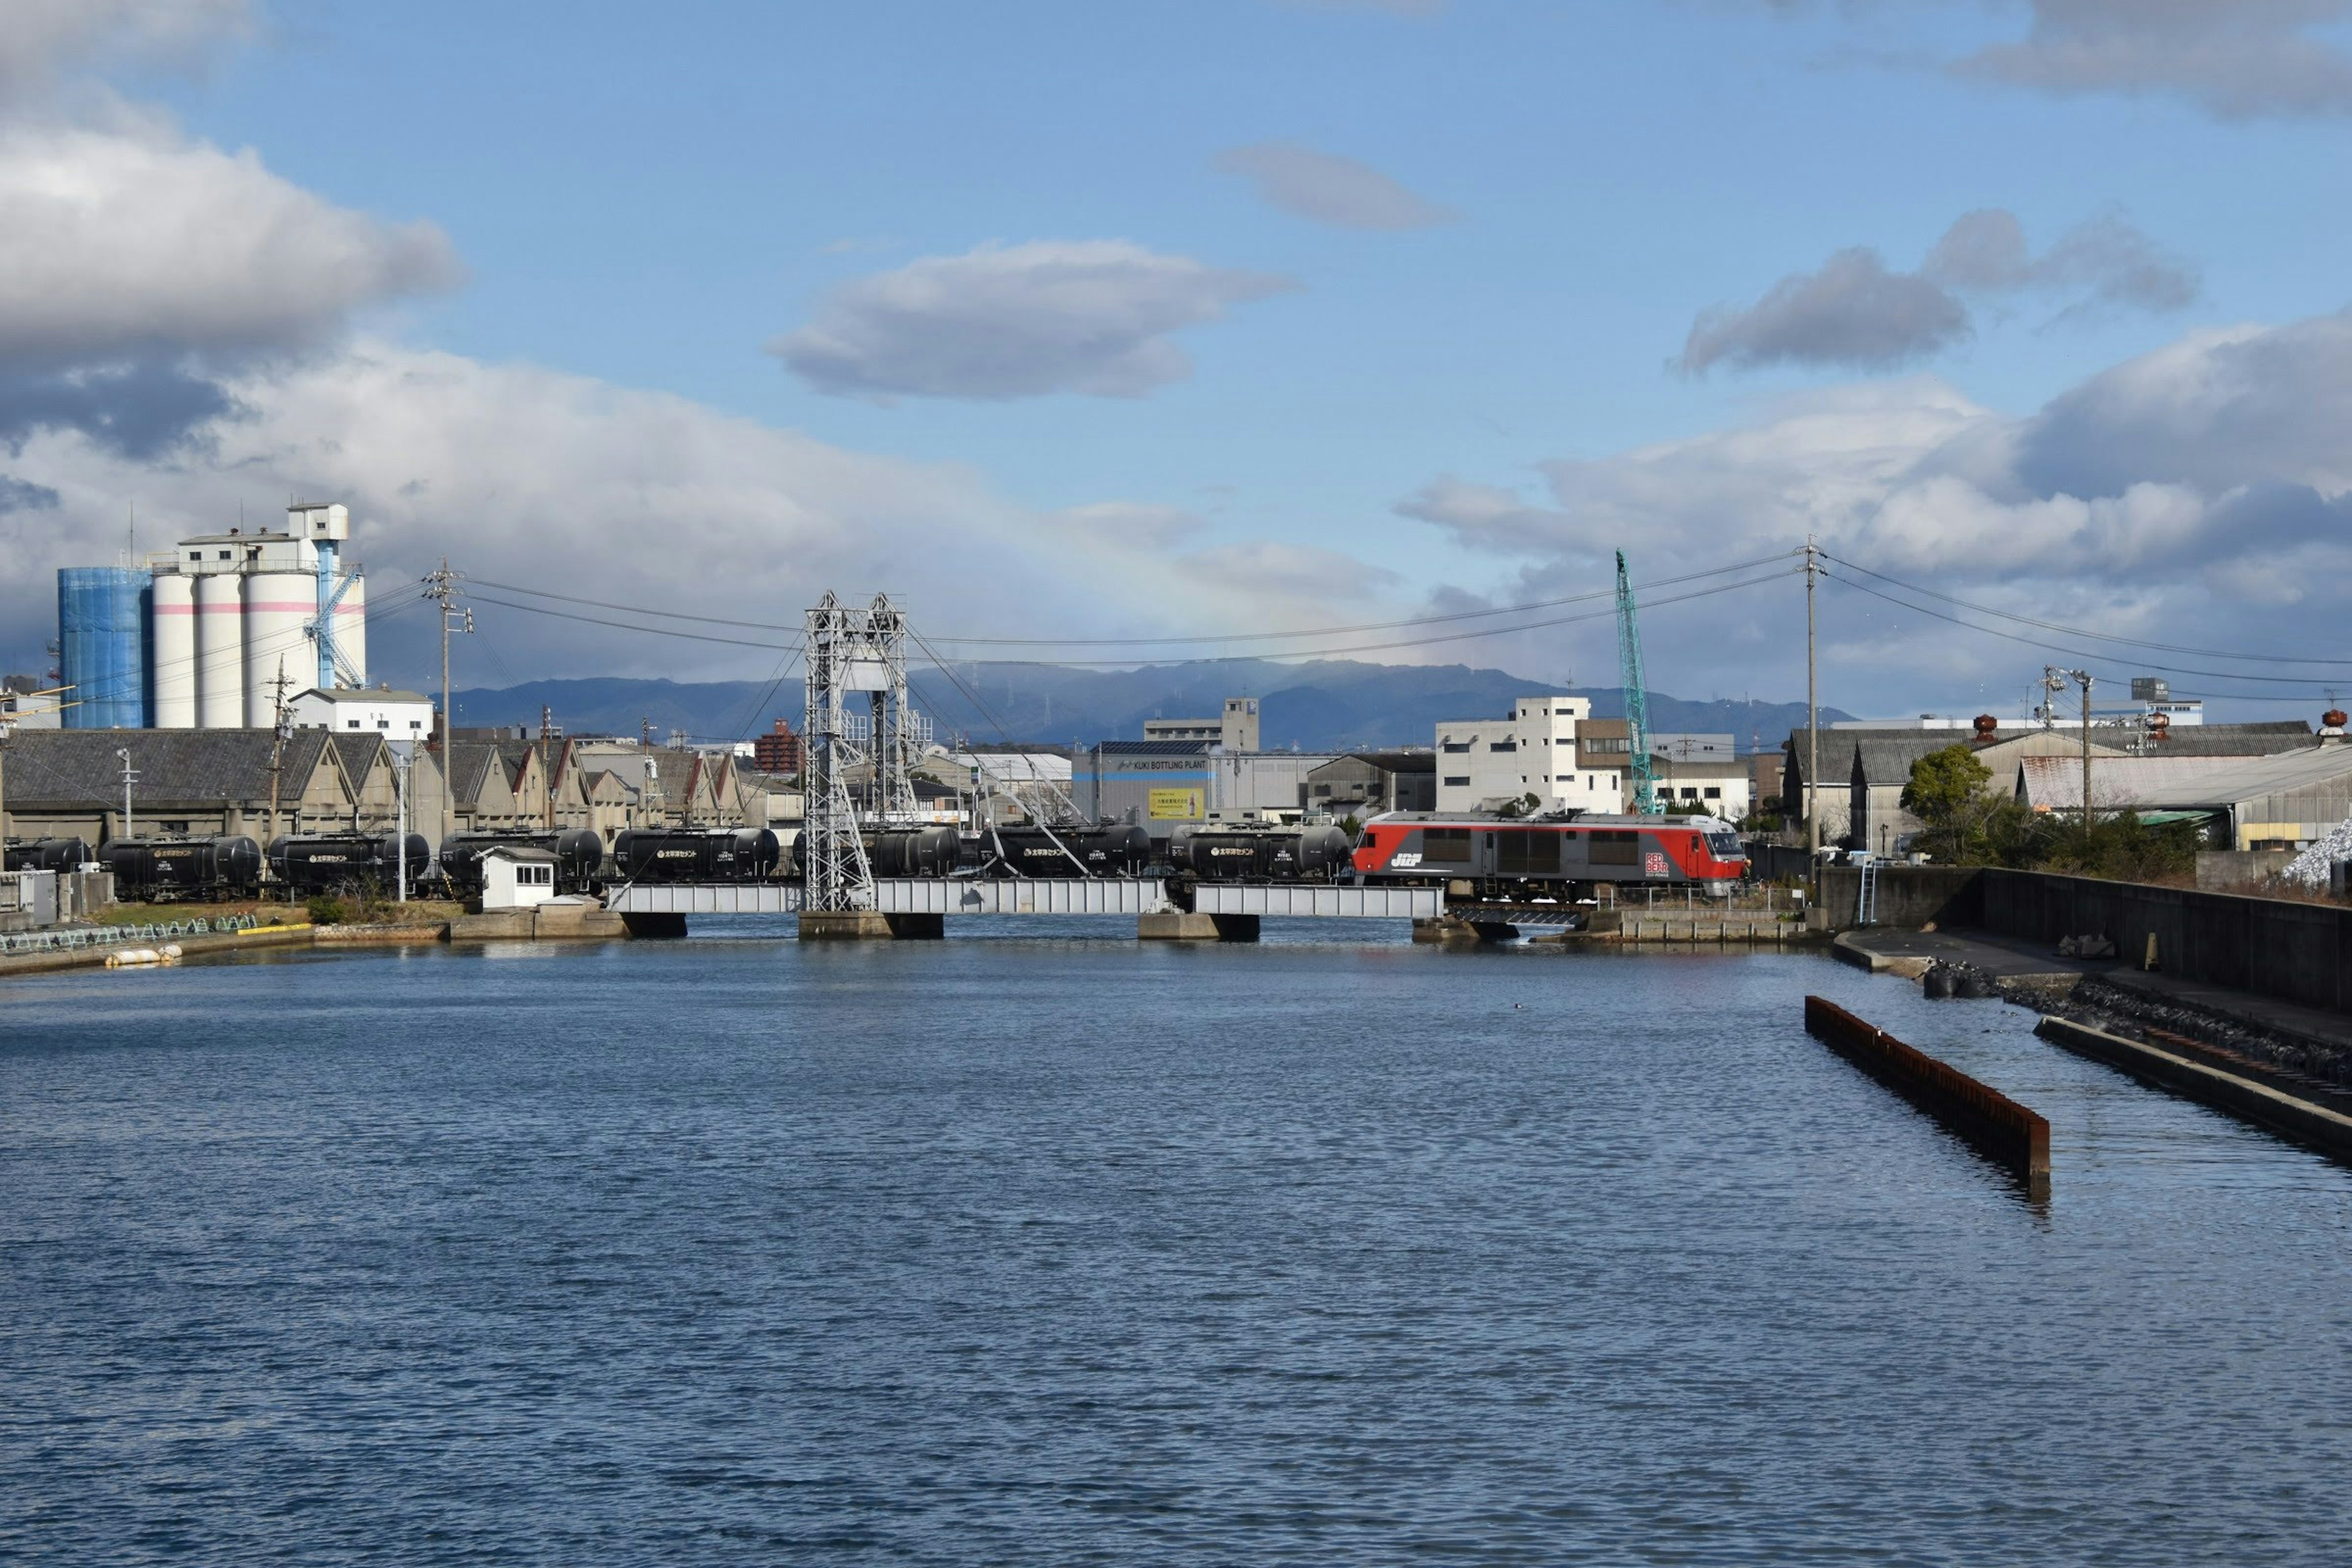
(2272, 947)
(95, 955)
(2316, 1126)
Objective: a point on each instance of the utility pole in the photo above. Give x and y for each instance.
(129, 777)
(2083, 678)
(7, 733)
(404, 757)
(441, 584)
(546, 778)
(1812, 720)
(278, 729)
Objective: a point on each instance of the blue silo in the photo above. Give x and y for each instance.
(102, 646)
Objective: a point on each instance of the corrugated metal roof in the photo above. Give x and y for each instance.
(2056, 782)
(2251, 781)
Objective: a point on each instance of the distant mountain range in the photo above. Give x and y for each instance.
(1328, 705)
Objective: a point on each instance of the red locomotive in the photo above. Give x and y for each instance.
(1559, 856)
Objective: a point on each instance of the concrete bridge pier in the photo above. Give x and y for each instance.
(844, 925)
(870, 925)
(1181, 925)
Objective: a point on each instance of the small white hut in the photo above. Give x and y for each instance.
(515, 876)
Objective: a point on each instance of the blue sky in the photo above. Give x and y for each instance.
(1444, 408)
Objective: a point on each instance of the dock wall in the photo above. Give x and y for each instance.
(2273, 947)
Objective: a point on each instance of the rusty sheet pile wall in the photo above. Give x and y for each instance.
(2007, 1132)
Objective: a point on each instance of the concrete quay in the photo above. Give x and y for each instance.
(253, 938)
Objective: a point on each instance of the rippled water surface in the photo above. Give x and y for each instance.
(1021, 1250)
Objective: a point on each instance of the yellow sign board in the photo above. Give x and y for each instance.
(1176, 805)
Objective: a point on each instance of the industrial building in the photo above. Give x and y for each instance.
(2283, 802)
(214, 634)
(396, 715)
(1366, 783)
(1864, 772)
(70, 783)
(1193, 771)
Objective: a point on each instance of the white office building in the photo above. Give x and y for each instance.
(395, 715)
(1485, 764)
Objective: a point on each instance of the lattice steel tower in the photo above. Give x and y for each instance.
(854, 653)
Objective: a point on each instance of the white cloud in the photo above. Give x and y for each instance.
(133, 240)
(529, 477)
(2133, 503)
(1328, 188)
(1022, 321)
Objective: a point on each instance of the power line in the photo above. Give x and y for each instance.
(2308, 684)
(1116, 662)
(1152, 642)
(2078, 631)
(1386, 647)
(1365, 627)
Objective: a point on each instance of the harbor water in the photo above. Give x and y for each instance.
(1042, 1246)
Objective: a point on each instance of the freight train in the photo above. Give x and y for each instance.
(668, 854)
(1477, 856)
(579, 856)
(347, 862)
(167, 870)
(59, 855)
(1243, 852)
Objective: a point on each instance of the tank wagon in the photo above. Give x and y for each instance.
(579, 856)
(662, 855)
(161, 871)
(347, 862)
(911, 852)
(1473, 855)
(59, 855)
(1245, 853)
(1108, 849)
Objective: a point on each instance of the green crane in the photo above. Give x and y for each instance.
(1637, 696)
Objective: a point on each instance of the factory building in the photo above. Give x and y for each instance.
(210, 635)
(2286, 800)
(69, 783)
(395, 715)
(1366, 783)
(1864, 771)
(1191, 769)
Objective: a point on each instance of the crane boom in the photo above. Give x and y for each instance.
(1637, 698)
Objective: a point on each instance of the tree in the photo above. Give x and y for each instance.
(1944, 786)
(1946, 792)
